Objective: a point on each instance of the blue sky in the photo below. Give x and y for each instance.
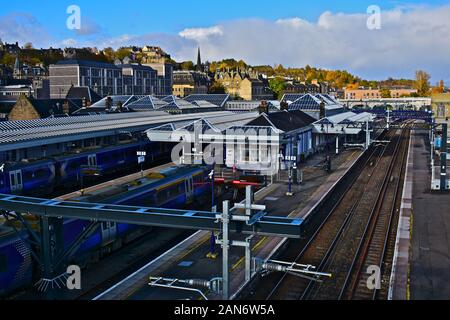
(143, 16)
(250, 29)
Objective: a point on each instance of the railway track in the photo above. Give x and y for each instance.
(377, 246)
(339, 244)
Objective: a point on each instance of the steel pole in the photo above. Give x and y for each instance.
(444, 158)
(225, 246)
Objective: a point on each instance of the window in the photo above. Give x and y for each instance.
(440, 111)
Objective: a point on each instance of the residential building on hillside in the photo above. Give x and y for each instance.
(10, 48)
(245, 85)
(152, 54)
(148, 54)
(376, 93)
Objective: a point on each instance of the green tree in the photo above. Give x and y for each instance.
(277, 85)
(422, 84)
(187, 65)
(122, 53)
(109, 53)
(8, 59)
(216, 87)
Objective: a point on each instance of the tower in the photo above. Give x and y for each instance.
(17, 68)
(198, 67)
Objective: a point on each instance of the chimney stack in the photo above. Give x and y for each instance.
(264, 107)
(322, 110)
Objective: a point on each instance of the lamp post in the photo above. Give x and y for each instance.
(289, 193)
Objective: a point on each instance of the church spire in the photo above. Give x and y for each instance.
(199, 61)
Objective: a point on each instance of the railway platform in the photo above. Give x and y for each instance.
(188, 259)
(429, 250)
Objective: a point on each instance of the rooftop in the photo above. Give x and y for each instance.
(31, 133)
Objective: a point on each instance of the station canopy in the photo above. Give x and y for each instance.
(343, 123)
(200, 129)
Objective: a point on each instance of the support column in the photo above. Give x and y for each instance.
(444, 157)
(295, 154)
(248, 259)
(225, 247)
(337, 144)
(367, 135)
(45, 247)
(388, 118)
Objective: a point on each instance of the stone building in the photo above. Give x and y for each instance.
(375, 93)
(245, 85)
(29, 109)
(188, 82)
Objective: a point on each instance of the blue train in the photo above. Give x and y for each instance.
(172, 188)
(41, 177)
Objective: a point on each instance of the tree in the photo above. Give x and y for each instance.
(8, 59)
(277, 85)
(187, 65)
(385, 93)
(216, 87)
(422, 84)
(439, 88)
(122, 53)
(109, 53)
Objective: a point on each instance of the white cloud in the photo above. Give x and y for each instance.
(410, 38)
(23, 27)
(200, 34)
(69, 42)
(88, 27)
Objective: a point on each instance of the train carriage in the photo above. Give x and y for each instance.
(170, 188)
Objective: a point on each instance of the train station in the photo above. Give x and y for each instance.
(158, 197)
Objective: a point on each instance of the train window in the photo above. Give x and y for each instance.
(198, 179)
(3, 263)
(28, 175)
(161, 196)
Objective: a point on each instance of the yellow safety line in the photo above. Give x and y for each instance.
(181, 258)
(194, 248)
(260, 242)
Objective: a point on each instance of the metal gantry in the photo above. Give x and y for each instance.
(52, 255)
